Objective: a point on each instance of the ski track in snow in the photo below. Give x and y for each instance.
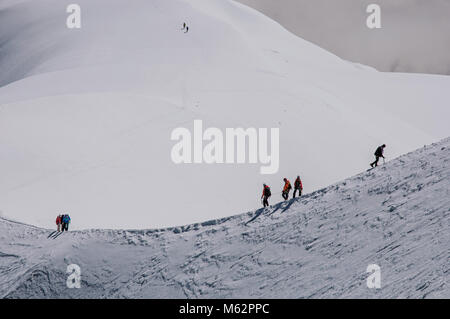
(316, 246)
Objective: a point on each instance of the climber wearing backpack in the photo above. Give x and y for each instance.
(65, 222)
(298, 186)
(378, 153)
(265, 195)
(58, 223)
(286, 189)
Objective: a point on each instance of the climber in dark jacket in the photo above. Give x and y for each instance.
(378, 153)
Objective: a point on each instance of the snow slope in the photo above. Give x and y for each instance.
(317, 246)
(86, 115)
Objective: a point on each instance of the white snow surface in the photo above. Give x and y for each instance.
(86, 115)
(317, 246)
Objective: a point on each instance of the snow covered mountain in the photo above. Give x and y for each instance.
(318, 246)
(86, 114)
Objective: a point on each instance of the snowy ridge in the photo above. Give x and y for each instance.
(316, 246)
(86, 115)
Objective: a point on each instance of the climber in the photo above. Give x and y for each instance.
(185, 27)
(265, 195)
(378, 153)
(298, 186)
(58, 223)
(65, 222)
(286, 189)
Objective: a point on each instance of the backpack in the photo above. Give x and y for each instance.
(379, 151)
(267, 191)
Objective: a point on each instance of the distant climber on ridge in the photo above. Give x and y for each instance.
(298, 186)
(265, 195)
(65, 222)
(185, 28)
(58, 223)
(378, 153)
(286, 189)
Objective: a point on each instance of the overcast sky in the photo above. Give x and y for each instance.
(415, 34)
